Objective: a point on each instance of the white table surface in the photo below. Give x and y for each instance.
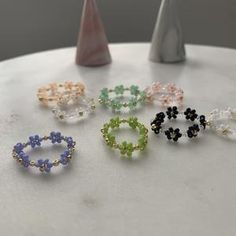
(169, 190)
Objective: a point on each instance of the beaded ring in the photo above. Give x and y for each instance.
(219, 121)
(44, 165)
(166, 94)
(175, 134)
(74, 107)
(125, 148)
(115, 102)
(53, 92)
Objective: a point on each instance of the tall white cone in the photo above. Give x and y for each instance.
(167, 41)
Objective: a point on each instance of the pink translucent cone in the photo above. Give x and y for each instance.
(92, 48)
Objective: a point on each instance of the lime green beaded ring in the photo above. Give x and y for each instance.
(125, 148)
(113, 98)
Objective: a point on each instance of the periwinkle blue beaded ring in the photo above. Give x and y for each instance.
(44, 165)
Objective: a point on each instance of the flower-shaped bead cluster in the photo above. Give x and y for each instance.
(18, 148)
(24, 159)
(193, 131)
(134, 90)
(172, 112)
(126, 149)
(120, 89)
(70, 142)
(55, 137)
(44, 165)
(35, 141)
(191, 114)
(104, 95)
(156, 124)
(173, 134)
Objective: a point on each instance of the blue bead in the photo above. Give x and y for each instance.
(50, 165)
(26, 164)
(40, 162)
(47, 170)
(24, 157)
(66, 153)
(18, 148)
(64, 162)
(32, 145)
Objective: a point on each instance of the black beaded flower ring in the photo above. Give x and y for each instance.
(157, 124)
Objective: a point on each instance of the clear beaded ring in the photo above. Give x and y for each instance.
(114, 98)
(125, 148)
(166, 94)
(219, 121)
(157, 124)
(74, 107)
(44, 165)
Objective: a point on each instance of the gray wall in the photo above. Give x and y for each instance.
(33, 25)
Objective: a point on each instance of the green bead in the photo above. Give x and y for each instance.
(116, 105)
(102, 99)
(105, 92)
(132, 103)
(115, 122)
(143, 130)
(134, 90)
(142, 96)
(130, 149)
(123, 148)
(119, 90)
(133, 122)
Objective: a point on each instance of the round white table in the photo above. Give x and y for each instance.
(170, 189)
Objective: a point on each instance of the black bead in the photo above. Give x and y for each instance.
(203, 121)
(190, 135)
(190, 114)
(168, 134)
(172, 112)
(173, 134)
(160, 117)
(193, 131)
(171, 130)
(175, 139)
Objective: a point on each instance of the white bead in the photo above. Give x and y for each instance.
(82, 107)
(217, 117)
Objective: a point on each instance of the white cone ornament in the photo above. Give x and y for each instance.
(92, 47)
(167, 41)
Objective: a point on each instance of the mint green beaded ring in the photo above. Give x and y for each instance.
(125, 148)
(114, 98)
